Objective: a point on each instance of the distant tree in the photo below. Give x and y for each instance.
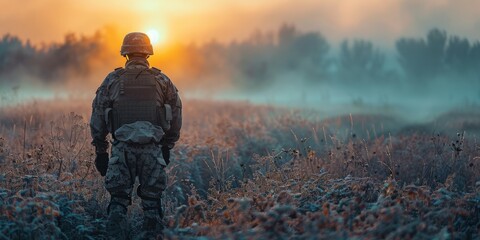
(457, 54)
(360, 61)
(252, 61)
(286, 34)
(54, 62)
(412, 56)
(421, 59)
(260, 38)
(14, 53)
(257, 57)
(436, 45)
(474, 58)
(72, 55)
(302, 52)
(260, 60)
(312, 47)
(213, 57)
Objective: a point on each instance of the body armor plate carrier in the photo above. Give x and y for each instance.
(139, 99)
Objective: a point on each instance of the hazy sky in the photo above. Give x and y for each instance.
(201, 20)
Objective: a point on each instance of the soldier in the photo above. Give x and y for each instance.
(140, 107)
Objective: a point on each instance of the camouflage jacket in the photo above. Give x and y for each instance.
(106, 94)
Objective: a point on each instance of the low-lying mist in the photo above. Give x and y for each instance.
(418, 80)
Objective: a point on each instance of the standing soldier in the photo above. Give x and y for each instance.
(140, 107)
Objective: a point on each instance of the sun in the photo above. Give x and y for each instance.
(156, 37)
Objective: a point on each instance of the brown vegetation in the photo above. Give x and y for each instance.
(245, 171)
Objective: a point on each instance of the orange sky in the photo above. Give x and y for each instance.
(201, 20)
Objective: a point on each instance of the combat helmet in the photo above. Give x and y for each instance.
(136, 42)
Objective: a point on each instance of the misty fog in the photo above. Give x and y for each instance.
(420, 79)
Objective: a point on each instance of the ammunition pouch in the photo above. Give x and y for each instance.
(165, 116)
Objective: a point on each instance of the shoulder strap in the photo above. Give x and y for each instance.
(155, 71)
(158, 74)
(119, 71)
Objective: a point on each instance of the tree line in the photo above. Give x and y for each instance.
(264, 57)
(50, 63)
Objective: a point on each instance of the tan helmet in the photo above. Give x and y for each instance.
(136, 42)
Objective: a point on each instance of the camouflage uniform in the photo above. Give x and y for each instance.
(135, 150)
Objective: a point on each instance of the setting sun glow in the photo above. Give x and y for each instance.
(155, 36)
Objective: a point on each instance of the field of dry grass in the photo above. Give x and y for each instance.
(244, 171)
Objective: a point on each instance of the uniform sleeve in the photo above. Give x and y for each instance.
(173, 134)
(98, 127)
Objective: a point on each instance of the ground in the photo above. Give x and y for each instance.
(248, 171)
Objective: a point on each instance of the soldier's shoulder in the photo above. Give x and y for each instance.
(159, 74)
(111, 76)
(156, 70)
(116, 72)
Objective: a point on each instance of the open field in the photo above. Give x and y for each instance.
(248, 171)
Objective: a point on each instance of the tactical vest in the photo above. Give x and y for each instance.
(140, 98)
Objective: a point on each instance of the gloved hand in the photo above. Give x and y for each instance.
(101, 163)
(166, 154)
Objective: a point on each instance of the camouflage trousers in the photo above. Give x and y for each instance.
(127, 162)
